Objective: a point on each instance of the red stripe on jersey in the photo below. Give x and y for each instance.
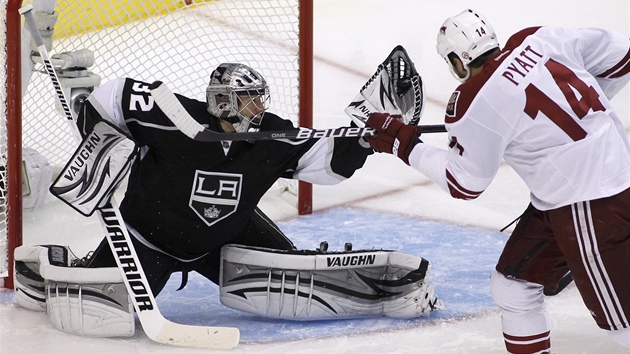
(621, 72)
(540, 343)
(457, 191)
(623, 63)
(517, 38)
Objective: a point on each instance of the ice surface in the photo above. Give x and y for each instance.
(385, 205)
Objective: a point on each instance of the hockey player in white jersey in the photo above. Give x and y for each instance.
(542, 104)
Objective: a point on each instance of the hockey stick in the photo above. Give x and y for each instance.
(170, 105)
(26, 11)
(156, 327)
(153, 322)
(563, 283)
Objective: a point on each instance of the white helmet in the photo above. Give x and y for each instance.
(238, 94)
(468, 35)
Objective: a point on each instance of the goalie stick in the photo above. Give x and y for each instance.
(156, 327)
(26, 11)
(170, 105)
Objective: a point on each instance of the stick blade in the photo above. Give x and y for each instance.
(197, 336)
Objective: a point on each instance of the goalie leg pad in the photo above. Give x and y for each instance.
(91, 302)
(90, 309)
(45, 24)
(29, 284)
(310, 285)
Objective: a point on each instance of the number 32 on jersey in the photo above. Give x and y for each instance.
(141, 99)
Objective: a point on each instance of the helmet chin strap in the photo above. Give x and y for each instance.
(454, 73)
(244, 125)
(241, 126)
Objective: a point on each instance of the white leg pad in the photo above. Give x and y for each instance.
(29, 284)
(91, 302)
(46, 23)
(90, 310)
(311, 285)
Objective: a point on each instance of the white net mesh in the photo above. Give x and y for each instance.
(178, 42)
(179, 45)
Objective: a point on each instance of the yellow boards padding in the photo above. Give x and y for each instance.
(81, 16)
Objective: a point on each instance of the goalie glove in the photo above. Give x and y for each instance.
(396, 88)
(393, 136)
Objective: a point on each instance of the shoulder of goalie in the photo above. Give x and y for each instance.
(96, 168)
(315, 285)
(91, 302)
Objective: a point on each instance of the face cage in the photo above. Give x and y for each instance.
(251, 105)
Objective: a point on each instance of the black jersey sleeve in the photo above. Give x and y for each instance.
(324, 160)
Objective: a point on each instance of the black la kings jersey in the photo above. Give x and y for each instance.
(188, 197)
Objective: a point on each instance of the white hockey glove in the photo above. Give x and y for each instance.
(395, 88)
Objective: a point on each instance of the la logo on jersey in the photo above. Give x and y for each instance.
(215, 195)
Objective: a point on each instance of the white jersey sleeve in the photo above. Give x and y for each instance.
(542, 105)
(106, 99)
(606, 56)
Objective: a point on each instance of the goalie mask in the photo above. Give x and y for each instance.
(467, 35)
(238, 94)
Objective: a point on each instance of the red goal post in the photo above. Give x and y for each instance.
(175, 41)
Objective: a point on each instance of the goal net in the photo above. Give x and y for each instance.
(178, 42)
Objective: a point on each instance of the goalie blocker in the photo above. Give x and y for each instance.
(315, 285)
(95, 169)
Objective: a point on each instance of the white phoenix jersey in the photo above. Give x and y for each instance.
(543, 105)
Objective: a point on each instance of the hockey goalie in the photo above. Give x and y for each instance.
(191, 206)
